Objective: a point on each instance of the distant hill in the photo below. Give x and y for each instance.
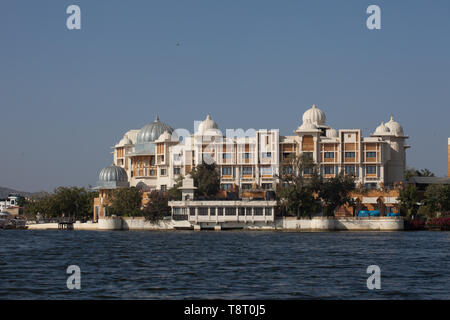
(4, 192)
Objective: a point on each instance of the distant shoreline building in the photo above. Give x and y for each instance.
(154, 157)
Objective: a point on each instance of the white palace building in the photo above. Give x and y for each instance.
(156, 155)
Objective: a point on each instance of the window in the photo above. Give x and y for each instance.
(152, 172)
(267, 155)
(329, 155)
(349, 170)
(246, 186)
(230, 211)
(163, 172)
(226, 171)
(226, 155)
(371, 154)
(227, 186)
(212, 211)
(247, 155)
(266, 171)
(152, 161)
(247, 170)
(267, 186)
(258, 211)
(241, 211)
(287, 170)
(329, 170)
(177, 170)
(350, 154)
(220, 211)
(308, 154)
(202, 211)
(371, 169)
(308, 171)
(163, 187)
(268, 211)
(248, 211)
(192, 211)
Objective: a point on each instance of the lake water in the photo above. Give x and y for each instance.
(224, 265)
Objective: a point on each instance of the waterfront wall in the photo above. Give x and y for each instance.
(139, 223)
(336, 224)
(285, 223)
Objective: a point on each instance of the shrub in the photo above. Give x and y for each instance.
(442, 222)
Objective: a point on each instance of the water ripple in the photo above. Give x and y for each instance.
(223, 265)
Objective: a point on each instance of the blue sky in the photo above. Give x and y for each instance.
(67, 96)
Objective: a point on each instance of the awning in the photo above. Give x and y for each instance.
(369, 199)
(391, 200)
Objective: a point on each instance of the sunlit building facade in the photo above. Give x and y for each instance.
(155, 156)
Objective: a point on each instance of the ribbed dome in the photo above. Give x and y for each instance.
(152, 131)
(382, 129)
(308, 126)
(315, 115)
(332, 133)
(113, 173)
(395, 127)
(207, 125)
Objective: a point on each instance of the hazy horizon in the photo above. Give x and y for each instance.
(67, 96)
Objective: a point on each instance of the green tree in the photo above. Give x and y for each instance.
(206, 179)
(412, 172)
(174, 193)
(437, 198)
(125, 202)
(71, 202)
(296, 190)
(425, 173)
(157, 208)
(335, 192)
(408, 200)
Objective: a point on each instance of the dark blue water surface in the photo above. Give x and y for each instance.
(225, 265)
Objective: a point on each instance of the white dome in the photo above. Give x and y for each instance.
(165, 136)
(332, 133)
(395, 127)
(124, 142)
(382, 129)
(315, 115)
(308, 126)
(207, 125)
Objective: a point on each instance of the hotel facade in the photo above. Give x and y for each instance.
(156, 156)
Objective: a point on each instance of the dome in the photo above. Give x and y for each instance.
(165, 136)
(332, 133)
(207, 125)
(395, 127)
(315, 115)
(152, 131)
(382, 129)
(124, 142)
(113, 173)
(308, 126)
